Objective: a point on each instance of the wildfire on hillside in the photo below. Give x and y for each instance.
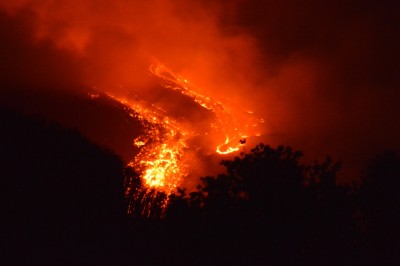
(172, 139)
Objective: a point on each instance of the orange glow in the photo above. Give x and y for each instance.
(226, 148)
(164, 159)
(267, 62)
(111, 43)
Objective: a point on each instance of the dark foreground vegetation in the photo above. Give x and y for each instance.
(62, 203)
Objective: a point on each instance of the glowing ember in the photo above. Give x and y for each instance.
(226, 149)
(163, 160)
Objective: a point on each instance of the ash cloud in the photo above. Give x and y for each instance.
(115, 40)
(27, 63)
(322, 75)
(331, 82)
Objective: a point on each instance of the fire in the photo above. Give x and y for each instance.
(160, 159)
(226, 148)
(164, 160)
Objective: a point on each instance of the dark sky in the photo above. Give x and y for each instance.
(323, 74)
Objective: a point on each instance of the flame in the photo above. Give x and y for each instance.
(164, 160)
(227, 149)
(160, 159)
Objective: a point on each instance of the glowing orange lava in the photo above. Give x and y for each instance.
(164, 160)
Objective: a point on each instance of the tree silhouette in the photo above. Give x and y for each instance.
(63, 197)
(267, 202)
(143, 202)
(380, 207)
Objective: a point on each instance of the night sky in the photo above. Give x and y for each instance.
(323, 74)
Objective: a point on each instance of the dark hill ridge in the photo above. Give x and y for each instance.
(102, 120)
(61, 196)
(62, 203)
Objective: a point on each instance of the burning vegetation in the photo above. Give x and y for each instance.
(173, 140)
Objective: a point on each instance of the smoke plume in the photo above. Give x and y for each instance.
(322, 75)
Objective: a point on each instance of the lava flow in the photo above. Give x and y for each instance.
(172, 140)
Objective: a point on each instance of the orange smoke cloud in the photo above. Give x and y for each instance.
(115, 40)
(113, 44)
(322, 75)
